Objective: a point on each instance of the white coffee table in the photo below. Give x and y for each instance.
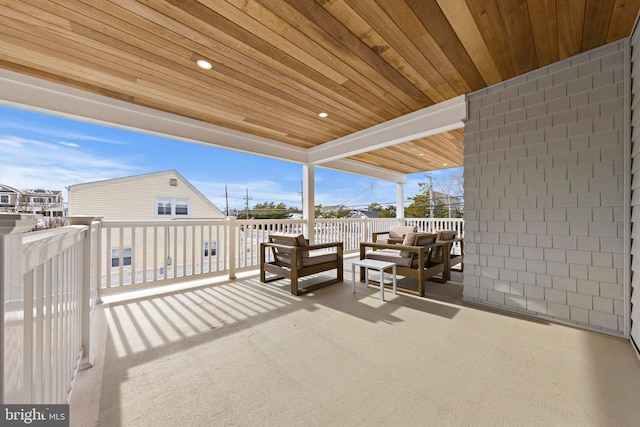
(374, 264)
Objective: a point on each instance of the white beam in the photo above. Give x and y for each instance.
(445, 116)
(25, 92)
(33, 94)
(364, 169)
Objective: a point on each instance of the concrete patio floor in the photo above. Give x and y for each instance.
(245, 353)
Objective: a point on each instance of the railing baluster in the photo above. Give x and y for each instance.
(121, 257)
(134, 259)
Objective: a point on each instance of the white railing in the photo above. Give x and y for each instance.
(431, 225)
(51, 279)
(47, 296)
(250, 233)
(142, 254)
(350, 231)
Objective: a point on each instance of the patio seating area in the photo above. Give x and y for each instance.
(244, 353)
(294, 258)
(413, 258)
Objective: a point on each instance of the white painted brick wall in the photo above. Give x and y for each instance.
(546, 154)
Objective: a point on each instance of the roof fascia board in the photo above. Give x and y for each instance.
(85, 185)
(30, 93)
(364, 169)
(441, 117)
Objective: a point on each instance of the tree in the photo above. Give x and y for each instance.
(271, 210)
(375, 206)
(419, 206)
(452, 188)
(447, 200)
(388, 211)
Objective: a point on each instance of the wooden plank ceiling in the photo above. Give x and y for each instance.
(278, 63)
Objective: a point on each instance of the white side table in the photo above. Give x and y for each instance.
(374, 264)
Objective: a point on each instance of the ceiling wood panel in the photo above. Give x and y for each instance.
(544, 24)
(570, 15)
(278, 63)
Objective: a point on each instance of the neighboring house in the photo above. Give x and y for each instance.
(8, 198)
(358, 214)
(156, 196)
(45, 202)
(152, 197)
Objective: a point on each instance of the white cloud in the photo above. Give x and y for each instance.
(68, 144)
(30, 163)
(54, 132)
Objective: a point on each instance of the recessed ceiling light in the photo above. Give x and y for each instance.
(420, 154)
(323, 115)
(202, 63)
(445, 164)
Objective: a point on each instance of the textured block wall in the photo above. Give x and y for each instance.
(635, 189)
(543, 168)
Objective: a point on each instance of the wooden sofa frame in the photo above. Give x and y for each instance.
(291, 261)
(451, 237)
(426, 267)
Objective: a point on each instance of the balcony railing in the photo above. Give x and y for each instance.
(47, 293)
(50, 280)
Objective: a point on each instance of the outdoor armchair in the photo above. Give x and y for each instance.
(414, 257)
(456, 250)
(395, 234)
(292, 258)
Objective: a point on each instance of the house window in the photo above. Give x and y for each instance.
(163, 207)
(182, 207)
(167, 206)
(213, 248)
(115, 257)
(4, 199)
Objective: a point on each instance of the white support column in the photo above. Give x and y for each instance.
(308, 200)
(400, 200)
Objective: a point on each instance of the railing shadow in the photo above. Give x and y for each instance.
(143, 329)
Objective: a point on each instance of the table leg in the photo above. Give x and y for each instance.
(366, 276)
(382, 284)
(395, 291)
(353, 277)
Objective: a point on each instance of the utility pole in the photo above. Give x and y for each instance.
(226, 196)
(246, 206)
(301, 196)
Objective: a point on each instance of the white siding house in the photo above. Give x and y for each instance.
(156, 196)
(161, 198)
(46, 202)
(8, 198)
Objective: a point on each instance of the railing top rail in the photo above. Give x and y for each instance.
(270, 221)
(355, 219)
(52, 234)
(163, 223)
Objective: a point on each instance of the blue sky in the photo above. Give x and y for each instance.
(39, 150)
